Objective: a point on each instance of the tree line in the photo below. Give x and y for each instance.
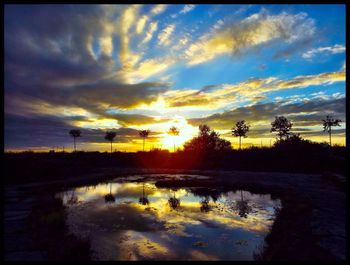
(208, 139)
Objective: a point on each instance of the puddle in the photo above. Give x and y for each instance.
(128, 220)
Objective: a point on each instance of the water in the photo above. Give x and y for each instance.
(127, 220)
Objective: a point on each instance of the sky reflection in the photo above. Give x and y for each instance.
(127, 229)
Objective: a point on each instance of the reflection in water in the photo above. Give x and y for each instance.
(205, 207)
(143, 228)
(109, 198)
(143, 199)
(72, 199)
(174, 202)
(243, 207)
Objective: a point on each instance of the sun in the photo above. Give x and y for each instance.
(186, 132)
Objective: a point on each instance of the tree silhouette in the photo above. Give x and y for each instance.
(173, 131)
(282, 126)
(328, 123)
(144, 134)
(207, 141)
(240, 130)
(110, 137)
(75, 134)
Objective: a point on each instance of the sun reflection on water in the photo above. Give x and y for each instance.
(129, 229)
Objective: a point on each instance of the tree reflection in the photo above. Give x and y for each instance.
(73, 199)
(174, 202)
(215, 194)
(109, 197)
(143, 199)
(205, 207)
(242, 207)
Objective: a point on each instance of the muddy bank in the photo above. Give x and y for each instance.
(311, 226)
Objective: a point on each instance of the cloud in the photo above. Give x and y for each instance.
(132, 119)
(127, 58)
(337, 48)
(153, 26)
(187, 8)
(149, 67)
(254, 31)
(51, 131)
(141, 24)
(253, 89)
(158, 9)
(307, 113)
(165, 34)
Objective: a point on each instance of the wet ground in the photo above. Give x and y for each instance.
(324, 219)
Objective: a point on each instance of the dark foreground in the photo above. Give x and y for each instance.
(310, 226)
(292, 158)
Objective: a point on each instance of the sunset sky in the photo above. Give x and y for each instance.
(131, 67)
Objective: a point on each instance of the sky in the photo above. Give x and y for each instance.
(131, 67)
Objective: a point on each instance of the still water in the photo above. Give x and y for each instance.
(133, 219)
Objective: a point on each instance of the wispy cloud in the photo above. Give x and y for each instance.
(158, 9)
(165, 34)
(187, 8)
(255, 30)
(253, 89)
(305, 113)
(337, 48)
(153, 26)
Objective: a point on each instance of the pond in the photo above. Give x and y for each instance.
(135, 219)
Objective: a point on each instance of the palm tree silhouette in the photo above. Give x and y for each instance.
(144, 134)
(143, 199)
(75, 134)
(240, 130)
(173, 131)
(110, 136)
(327, 126)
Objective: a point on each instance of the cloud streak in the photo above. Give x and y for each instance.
(337, 48)
(252, 32)
(252, 89)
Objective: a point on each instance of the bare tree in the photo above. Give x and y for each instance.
(144, 134)
(75, 134)
(173, 131)
(328, 123)
(282, 126)
(240, 129)
(110, 137)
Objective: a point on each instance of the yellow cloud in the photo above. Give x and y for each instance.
(98, 123)
(106, 44)
(141, 24)
(128, 17)
(165, 34)
(252, 89)
(255, 30)
(156, 10)
(153, 26)
(147, 68)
